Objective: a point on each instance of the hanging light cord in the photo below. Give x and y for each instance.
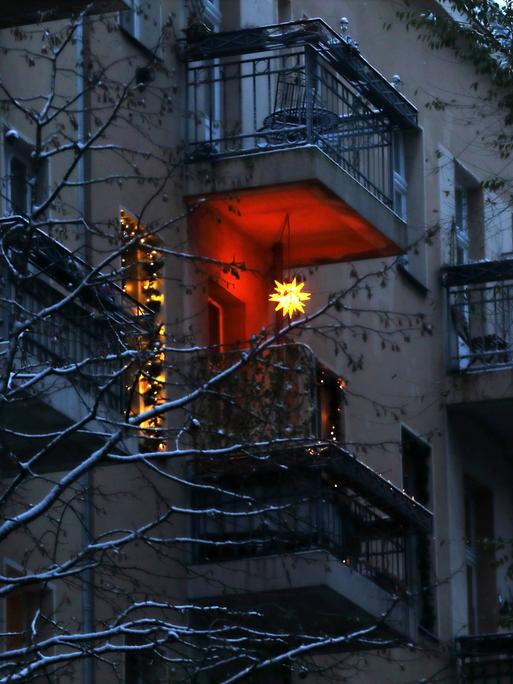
(286, 227)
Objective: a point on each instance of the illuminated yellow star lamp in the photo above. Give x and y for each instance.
(289, 297)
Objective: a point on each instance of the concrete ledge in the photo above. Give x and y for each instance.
(491, 385)
(308, 163)
(311, 578)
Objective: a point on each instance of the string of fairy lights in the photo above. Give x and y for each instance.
(142, 265)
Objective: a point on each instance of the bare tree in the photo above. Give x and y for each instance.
(134, 455)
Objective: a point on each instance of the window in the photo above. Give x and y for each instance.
(479, 557)
(467, 232)
(204, 11)
(205, 129)
(416, 456)
(130, 20)
(144, 667)
(215, 324)
(400, 186)
(22, 187)
(19, 189)
(416, 463)
(212, 13)
(21, 607)
(143, 22)
(226, 318)
(461, 225)
(331, 405)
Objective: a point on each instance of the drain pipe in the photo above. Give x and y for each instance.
(87, 592)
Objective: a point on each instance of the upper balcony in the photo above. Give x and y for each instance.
(311, 536)
(480, 333)
(295, 120)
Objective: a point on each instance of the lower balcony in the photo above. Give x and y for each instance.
(309, 537)
(485, 658)
(293, 395)
(480, 337)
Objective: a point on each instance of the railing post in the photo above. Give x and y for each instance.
(310, 85)
(452, 360)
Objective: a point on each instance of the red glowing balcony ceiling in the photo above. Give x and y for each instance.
(323, 228)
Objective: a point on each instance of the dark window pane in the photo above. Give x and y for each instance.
(214, 323)
(19, 186)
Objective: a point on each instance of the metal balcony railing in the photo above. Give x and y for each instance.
(87, 332)
(72, 335)
(301, 85)
(277, 394)
(485, 658)
(313, 505)
(480, 315)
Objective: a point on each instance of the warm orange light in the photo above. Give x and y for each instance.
(289, 297)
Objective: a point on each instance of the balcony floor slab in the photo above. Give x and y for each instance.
(311, 588)
(332, 216)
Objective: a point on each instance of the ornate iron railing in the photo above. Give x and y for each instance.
(307, 93)
(339, 50)
(81, 339)
(480, 315)
(71, 336)
(282, 392)
(297, 505)
(485, 658)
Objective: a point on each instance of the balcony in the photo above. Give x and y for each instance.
(485, 658)
(293, 396)
(74, 341)
(480, 301)
(312, 537)
(294, 120)
(480, 340)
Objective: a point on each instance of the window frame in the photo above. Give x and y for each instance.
(461, 232)
(20, 149)
(130, 20)
(14, 569)
(399, 181)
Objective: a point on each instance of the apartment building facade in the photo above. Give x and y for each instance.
(273, 497)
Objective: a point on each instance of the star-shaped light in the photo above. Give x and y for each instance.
(289, 297)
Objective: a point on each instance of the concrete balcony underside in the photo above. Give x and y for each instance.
(310, 588)
(332, 216)
(484, 398)
(33, 420)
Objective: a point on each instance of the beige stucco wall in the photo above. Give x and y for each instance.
(404, 386)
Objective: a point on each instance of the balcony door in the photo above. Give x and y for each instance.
(416, 455)
(226, 319)
(479, 559)
(330, 405)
